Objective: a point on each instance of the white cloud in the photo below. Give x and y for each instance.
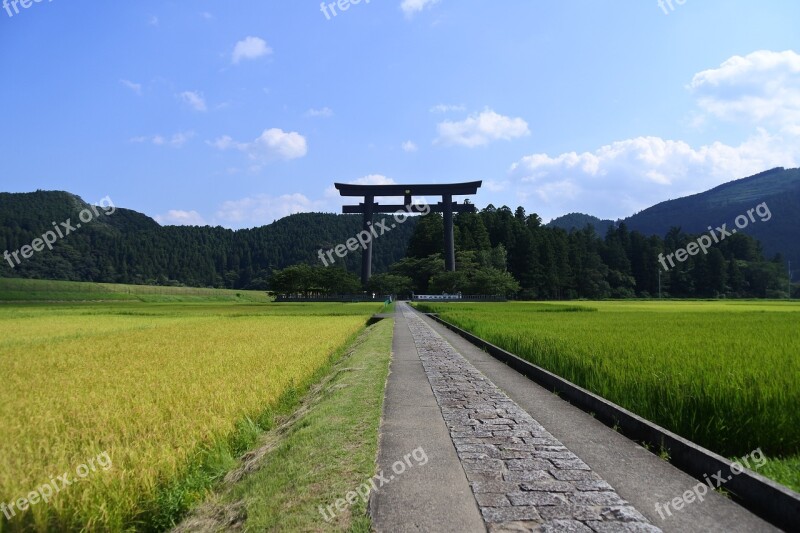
(135, 87)
(272, 144)
(410, 146)
(371, 179)
(264, 209)
(153, 21)
(250, 48)
(176, 217)
(206, 15)
(179, 139)
(411, 7)
(496, 186)
(226, 142)
(325, 112)
(761, 88)
(558, 190)
(284, 145)
(176, 141)
(447, 108)
(481, 129)
(626, 176)
(739, 70)
(195, 100)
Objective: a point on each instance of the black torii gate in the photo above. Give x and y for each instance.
(447, 206)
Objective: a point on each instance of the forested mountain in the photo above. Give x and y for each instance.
(128, 247)
(779, 188)
(573, 221)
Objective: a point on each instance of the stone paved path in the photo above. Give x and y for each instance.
(523, 479)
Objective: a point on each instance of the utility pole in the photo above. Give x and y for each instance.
(659, 283)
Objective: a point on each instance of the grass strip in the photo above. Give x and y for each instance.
(324, 450)
(36, 290)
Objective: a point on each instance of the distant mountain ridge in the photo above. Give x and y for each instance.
(573, 221)
(129, 247)
(779, 188)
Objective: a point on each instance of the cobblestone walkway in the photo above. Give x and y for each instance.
(523, 478)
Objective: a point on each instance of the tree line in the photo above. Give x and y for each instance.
(551, 263)
(511, 253)
(498, 251)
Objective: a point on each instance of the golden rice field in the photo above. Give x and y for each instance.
(159, 387)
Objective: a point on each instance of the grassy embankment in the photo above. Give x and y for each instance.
(327, 449)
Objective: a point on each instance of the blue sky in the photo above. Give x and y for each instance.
(239, 113)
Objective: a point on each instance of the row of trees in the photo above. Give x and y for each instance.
(474, 276)
(511, 253)
(312, 281)
(551, 263)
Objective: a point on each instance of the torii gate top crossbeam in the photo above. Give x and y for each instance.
(452, 189)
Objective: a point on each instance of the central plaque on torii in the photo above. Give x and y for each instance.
(447, 206)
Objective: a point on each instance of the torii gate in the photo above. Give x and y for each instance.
(368, 208)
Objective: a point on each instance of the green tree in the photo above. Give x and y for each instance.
(391, 284)
(420, 270)
(333, 280)
(428, 237)
(297, 279)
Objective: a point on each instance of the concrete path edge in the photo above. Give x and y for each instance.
(431, 497)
